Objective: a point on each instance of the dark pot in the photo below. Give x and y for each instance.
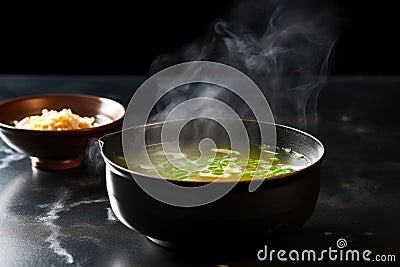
(278, 205)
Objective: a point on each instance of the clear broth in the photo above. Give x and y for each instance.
(220, 163)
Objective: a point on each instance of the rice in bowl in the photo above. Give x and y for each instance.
(52, 120)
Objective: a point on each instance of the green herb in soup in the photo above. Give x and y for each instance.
(224, 163)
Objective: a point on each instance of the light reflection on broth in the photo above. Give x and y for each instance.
(189, 165)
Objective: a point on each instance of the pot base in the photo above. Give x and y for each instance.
(50, 164)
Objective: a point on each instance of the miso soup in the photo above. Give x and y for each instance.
(222, 162)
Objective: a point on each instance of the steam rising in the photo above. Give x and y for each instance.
(283, 46)
(94, 159)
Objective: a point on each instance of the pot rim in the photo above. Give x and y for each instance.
(272, 178)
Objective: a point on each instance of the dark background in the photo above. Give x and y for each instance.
(117, 39)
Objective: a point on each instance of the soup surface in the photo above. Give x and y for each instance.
(217, 163)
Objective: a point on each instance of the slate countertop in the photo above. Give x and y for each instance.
(64, 218)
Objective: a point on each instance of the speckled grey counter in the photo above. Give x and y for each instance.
(64, 218)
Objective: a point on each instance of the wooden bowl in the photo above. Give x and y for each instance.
(57, 150)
